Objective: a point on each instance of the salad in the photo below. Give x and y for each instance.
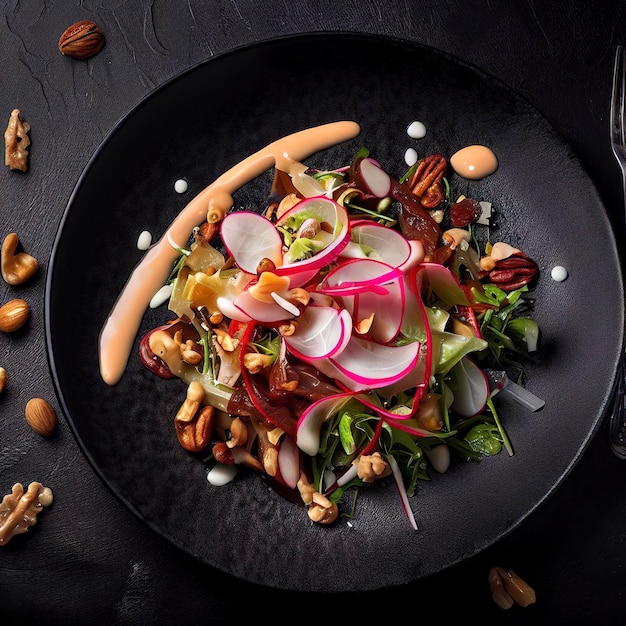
(347, 332)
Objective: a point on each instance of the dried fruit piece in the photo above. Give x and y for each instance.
(465, 211)
(3, 379)
(81, 40)
(16, 142)
(19, 509)
(41, 417)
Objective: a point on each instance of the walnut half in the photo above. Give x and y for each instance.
(16, 142)
(19, 509)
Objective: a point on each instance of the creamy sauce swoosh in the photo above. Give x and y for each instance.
(121, 327)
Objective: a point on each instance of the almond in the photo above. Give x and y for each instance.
(13, 315)
(41, 417)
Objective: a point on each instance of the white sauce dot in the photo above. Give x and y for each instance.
(161, 296)
(410, 157)
(144, 240)
(221, 474)
(180, 186)
(558, 273)
(416, 130)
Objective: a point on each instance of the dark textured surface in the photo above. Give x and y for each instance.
(89, 559)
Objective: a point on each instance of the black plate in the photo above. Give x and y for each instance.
(197, 126)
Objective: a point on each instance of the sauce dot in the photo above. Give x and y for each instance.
(221, 474)
(558, 273)
(410, 157)
(161, 296)
(474, 162)
(416, 130)
(144, 240)
(180, 186)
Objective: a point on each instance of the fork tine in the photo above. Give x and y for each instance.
(617, 101)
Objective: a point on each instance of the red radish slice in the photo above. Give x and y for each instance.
(415, 257)
(369, 365)
(397, 475)
(377, 181)
(366, 287)
(443, 283)
(470, 387)
(249, 238)
(321, 333)
(288, 461)
(325, 211)
(381, 242)
(314, 416)
(227, 308)
(249, 307)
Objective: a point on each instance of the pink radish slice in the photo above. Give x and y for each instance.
(406, 505)
(385, 244)
(369, 365)
(470, 387)
(387, 312)
(366, 287)
(288, 461)
(377, 181)
(314, 416)
(250, 238)
(228, 308)
(321, 333)
(324, 210)
(262, 312)
(443, 283)
(416, 256)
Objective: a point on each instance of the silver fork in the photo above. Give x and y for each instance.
(617, 418)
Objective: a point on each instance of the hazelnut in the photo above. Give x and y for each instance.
(13, 315)
(81, 40)
(41, 417)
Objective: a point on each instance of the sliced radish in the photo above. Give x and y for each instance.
(369, 288)
(314, 416)
(377, 181)
(369, 365)
(380, 242)
(288, 461)
(321, 333)
(334, 218)
(247, 307)
(228, 308)
(416, 256)
(442, 283)
(470, 388)
(397, 475)
(249, 238)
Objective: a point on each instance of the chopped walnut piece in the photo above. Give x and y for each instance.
(320, 509)
(19, 509)
(371, 467)
(16, 142)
